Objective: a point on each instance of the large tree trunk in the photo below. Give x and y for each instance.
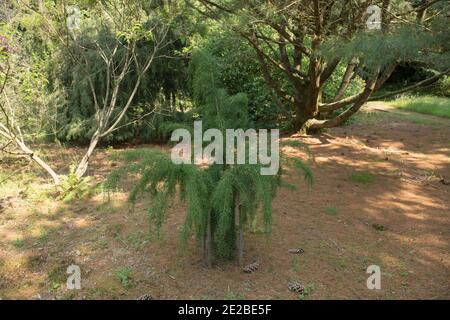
(306, 106)
(305, 110)
(349, 71)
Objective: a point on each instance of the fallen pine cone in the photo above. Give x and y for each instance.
(251, 267)
(296, 250)
(145, 297)
(296, 287)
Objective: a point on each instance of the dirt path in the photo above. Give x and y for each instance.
(377, 199)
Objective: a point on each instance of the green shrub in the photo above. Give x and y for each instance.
(442, 87)
(124, 275)
(331, 211)
(74, 188)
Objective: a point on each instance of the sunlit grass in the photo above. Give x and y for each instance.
(373, 118)
(437, 106)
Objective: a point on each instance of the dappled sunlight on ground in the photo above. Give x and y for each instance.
(377, 198)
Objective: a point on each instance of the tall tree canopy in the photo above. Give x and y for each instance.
(308, 40)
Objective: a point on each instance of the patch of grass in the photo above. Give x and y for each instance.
(417, 119)
(339, 263)
(371, 118)
(309, 289)
(43, 237)
(37, 194)
(368, 118)
(56, 277)
(18, 243)
(231, 295)
(136, 240)
(372, 260)
(124, 275)
(362, 177)
(101, 244)
(13, 182)
(292, 143)
(436, 106)
(331, 211)
(96, 293)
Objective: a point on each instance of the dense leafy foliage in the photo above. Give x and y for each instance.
(53, 97)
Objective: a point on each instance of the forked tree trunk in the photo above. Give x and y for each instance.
(340, 119)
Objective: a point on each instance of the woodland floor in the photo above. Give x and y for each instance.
(379, 197)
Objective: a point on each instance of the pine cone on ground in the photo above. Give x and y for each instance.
(145, 297)
(296, 287)
(251, 267)
(296, 250)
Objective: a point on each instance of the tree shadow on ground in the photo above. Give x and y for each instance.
(397, 219)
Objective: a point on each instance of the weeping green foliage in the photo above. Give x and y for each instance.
(161, 89)
(407, 43)
(159, 179)
(217, 108)
(218, 197)
(205, 191)
(254, 192)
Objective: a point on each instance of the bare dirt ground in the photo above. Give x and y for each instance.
(380, 197)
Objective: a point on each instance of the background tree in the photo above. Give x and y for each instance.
(308, 40)
(107, 43)
(17, 119)
(113, 37)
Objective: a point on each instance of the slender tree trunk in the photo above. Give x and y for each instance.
(346, 79)
(240, 238)
(27, 151)
(84, 163)
(208, 242)
(41, 163)
(241, 241)
(46, 167)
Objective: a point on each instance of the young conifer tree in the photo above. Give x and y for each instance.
(221, 199)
